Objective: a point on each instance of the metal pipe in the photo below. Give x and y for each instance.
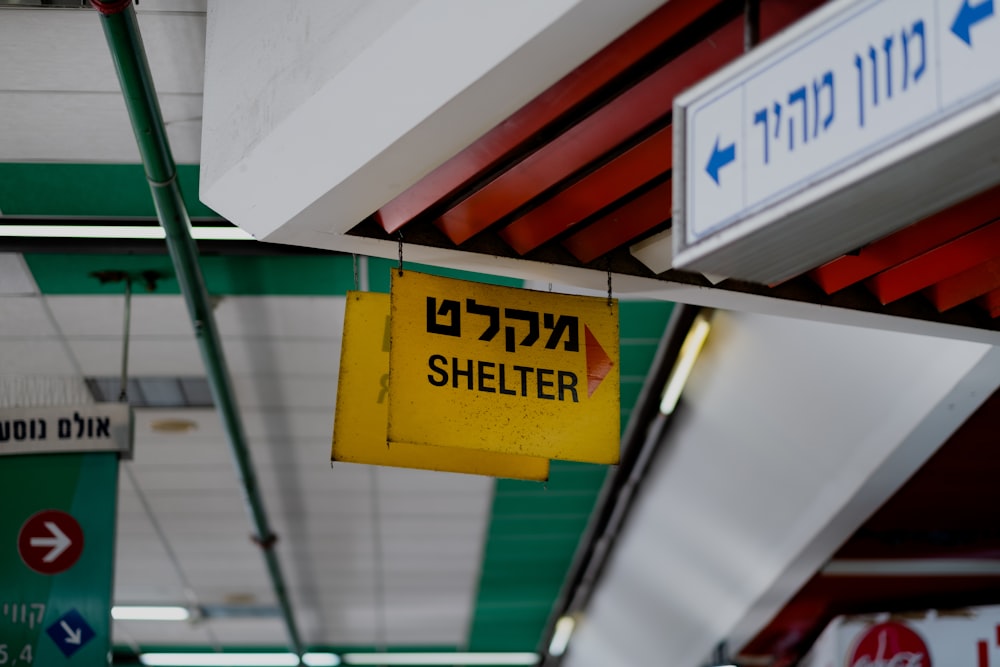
(122, 32)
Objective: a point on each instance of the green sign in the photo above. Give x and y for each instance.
(57, 525)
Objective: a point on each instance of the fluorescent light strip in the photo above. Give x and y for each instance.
(690, 350)
(441, 659)
(149, 613)
(561, 635)
(119, 232)
(238, 659)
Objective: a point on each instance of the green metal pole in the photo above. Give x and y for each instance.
(122, 32)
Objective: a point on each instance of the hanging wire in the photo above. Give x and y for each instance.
(357, 281)
(609, 283)
(400, 253)
(123, 386)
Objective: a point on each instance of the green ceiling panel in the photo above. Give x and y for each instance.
(380, 271)
(552, 503)
(319, 275)
(635, 359)
(49, 189)
(644, 319)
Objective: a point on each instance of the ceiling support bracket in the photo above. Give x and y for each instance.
(121, 29)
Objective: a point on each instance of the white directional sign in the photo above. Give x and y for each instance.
(820, 123)
(76, 428)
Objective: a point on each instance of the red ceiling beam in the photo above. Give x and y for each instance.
(597, 190)
(567, 93)
(608, 127)
(950, 259)
(908, 243)
(991, 302)
(966, 286)
(622, 225)
(604, 130)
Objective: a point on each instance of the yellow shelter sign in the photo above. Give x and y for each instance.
(503, 370)
(359, 433)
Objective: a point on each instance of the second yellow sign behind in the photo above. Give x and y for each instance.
(503, 369)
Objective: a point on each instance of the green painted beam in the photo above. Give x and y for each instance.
(56, 189)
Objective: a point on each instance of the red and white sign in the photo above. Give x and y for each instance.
(958, 638)
(890, 645)
(50, 542)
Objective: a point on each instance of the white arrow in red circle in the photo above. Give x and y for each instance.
(58, 542)
(50, 541)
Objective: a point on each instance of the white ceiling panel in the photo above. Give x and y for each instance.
(248, 631)
(425, 635)
(178, 633)
(405, 564)
(76, 57)
(147, 356)
(426, 610)
(152, 315)
(252, 593)
(156, 585)
(15, 278)
(433, 619)
(197, 6)
(244, 565)
(184, 478)
(284, 391)
(300, 356)
(151, 566)
(24, 317)
(281, 317)
(401, 480)
(443, 582)
(222, 498)
(311, 426)
(429, 527)
(89, 127)
(190, 528)
(140, 550)
(360, 619)
(444, 504)
(204, 452)
(35, 357)
(175, 48)
(466, 546)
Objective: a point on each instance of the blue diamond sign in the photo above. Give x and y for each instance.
(70, 632)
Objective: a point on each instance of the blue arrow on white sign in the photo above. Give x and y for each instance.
(969, 15)
(719, 159)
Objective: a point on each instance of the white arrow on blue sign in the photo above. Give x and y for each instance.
(70, 632)
(858, 78)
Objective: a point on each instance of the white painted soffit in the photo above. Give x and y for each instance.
(790, 434)
(318, 113)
